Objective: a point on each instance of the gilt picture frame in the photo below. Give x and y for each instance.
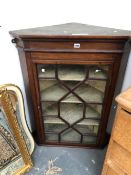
(14, 133)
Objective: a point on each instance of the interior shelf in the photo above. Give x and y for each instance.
(86, 122)
(87, 93)
(88, 139)
(72, 112)
(86, 126)
(53, 120)
(54, 92)
(54, 125)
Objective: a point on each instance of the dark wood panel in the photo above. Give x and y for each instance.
(108, 101)
(75, 56)
(70, 62)
(23, 61)
(96, 45)
(34, 101)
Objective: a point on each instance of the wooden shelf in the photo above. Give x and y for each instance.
(58, 121)
(72, 112)
(53, 120)
(89, 122)
(87, 93)
(88, 139)
(56, 125)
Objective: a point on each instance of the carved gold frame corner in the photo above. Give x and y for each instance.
(12, 121)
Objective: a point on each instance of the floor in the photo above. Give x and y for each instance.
(72, 161)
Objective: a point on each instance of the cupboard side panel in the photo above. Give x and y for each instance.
(27, 71)
(38, 135)
(23, 63)
(108, 102)
(119, 83)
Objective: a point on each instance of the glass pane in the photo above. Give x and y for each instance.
(71, 112)
(52, 124)
(93, 111)
(97, 107)
(88, 126)
(98, 72)
(51, 137)
(51, 90)
(97, 84)
(89, 93)
(83, 87)
(71, 72)
(71, 98)
(46, 71)
(70, 136)
(49, 108)
(89, 140)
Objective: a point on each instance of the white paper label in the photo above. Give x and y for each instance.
(77, 45)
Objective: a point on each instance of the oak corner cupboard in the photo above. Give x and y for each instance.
(71, 72)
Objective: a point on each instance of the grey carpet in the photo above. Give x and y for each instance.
(73, 161)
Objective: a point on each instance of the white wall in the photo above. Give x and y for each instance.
(127, 79)
(33, 13)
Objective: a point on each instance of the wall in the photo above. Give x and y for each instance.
(24, 14)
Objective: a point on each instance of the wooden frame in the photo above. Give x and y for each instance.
(9, 112)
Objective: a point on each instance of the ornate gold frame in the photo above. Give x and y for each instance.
(11, 118)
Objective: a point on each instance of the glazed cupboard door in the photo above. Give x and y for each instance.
(72, 98)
